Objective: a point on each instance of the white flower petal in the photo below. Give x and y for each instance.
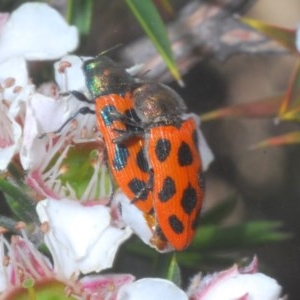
(16, 70)
(80, 237)
(268, 287)
(230, 284)
(10, 136)
(257, 286)
(77, 226)
(38, 32)
(70, 77)
(104, 251)
(3, 19)
(69, 74)
(4, 282)
(43, 114)
(151, 289)
(135, 219)
(50, 113)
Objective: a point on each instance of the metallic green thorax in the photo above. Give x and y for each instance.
(104, 77)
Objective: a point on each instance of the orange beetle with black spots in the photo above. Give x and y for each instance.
(172, 151)
(111, 89)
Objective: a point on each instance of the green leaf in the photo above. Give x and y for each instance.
(16, 174)
(79, 13)
(150, 20)
(238, 236)
(214, 246)
(79, 170)
(217, 213)
(8, 223)
(200, 261)
(174, 273)
(19, 202)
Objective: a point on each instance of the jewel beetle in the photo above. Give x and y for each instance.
(172, 151)
(111, 87)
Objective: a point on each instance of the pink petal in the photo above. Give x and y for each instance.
(104, 286)
(251, 268)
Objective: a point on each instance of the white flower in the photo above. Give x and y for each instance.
(142, 225)
(80, 238)
(36, 31)
(15, 82)
(69, 74)
(23, 267)
(15, 88)
(10, 135)
(46, 114)
(33, 31)
(235, 284)
(151, 289)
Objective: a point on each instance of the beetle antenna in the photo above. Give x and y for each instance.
(109, 49)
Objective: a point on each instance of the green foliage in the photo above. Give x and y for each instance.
(150, 20)
(215, 245)
(8, 223)
(235, 237)
(79, 165)
(19, 202)
(80, 13)
(174, 273)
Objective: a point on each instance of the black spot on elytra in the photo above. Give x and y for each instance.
(176, 224)
(189, 199)
(201, 180)
(120, 158)
(162, 149)
(106, 115)
(168, 190)
(185, 156)
(138, 187)
(141, 161)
